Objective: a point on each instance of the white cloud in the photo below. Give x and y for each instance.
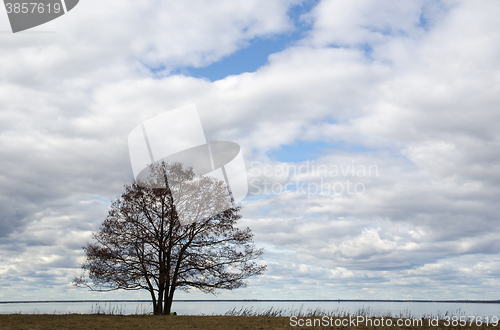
(423, 102)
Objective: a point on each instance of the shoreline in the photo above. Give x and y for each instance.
(257, 300)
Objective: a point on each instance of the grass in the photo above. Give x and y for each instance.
(137, 322)
(317, 312)
(109, 317)
(111, 309)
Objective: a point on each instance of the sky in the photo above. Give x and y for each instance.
(369, 130)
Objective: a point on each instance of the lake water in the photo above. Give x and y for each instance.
(404, 309)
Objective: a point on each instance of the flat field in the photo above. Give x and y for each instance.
(138, 322)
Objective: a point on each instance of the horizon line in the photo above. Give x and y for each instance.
(261, 300)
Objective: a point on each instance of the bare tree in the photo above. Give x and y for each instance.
(142, 244)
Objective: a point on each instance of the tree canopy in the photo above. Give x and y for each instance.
(143, 244)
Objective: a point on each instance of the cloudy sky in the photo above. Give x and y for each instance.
(369, 130)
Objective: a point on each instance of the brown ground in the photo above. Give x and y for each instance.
(138, 322)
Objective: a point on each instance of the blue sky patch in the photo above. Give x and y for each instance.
(423, 22)
(254, 197)
(248, 59)
(255, 55)
(303, 151)
(367, 50)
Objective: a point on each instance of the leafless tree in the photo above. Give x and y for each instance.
(142, 244)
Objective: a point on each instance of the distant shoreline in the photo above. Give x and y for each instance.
(256, 300)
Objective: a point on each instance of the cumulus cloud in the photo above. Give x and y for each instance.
(409, 91)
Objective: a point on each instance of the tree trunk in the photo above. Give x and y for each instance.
(155, 303)
(160, 302)
(167, 309)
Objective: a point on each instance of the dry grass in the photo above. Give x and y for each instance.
(137, 322)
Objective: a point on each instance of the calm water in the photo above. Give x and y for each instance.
(415, 309)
